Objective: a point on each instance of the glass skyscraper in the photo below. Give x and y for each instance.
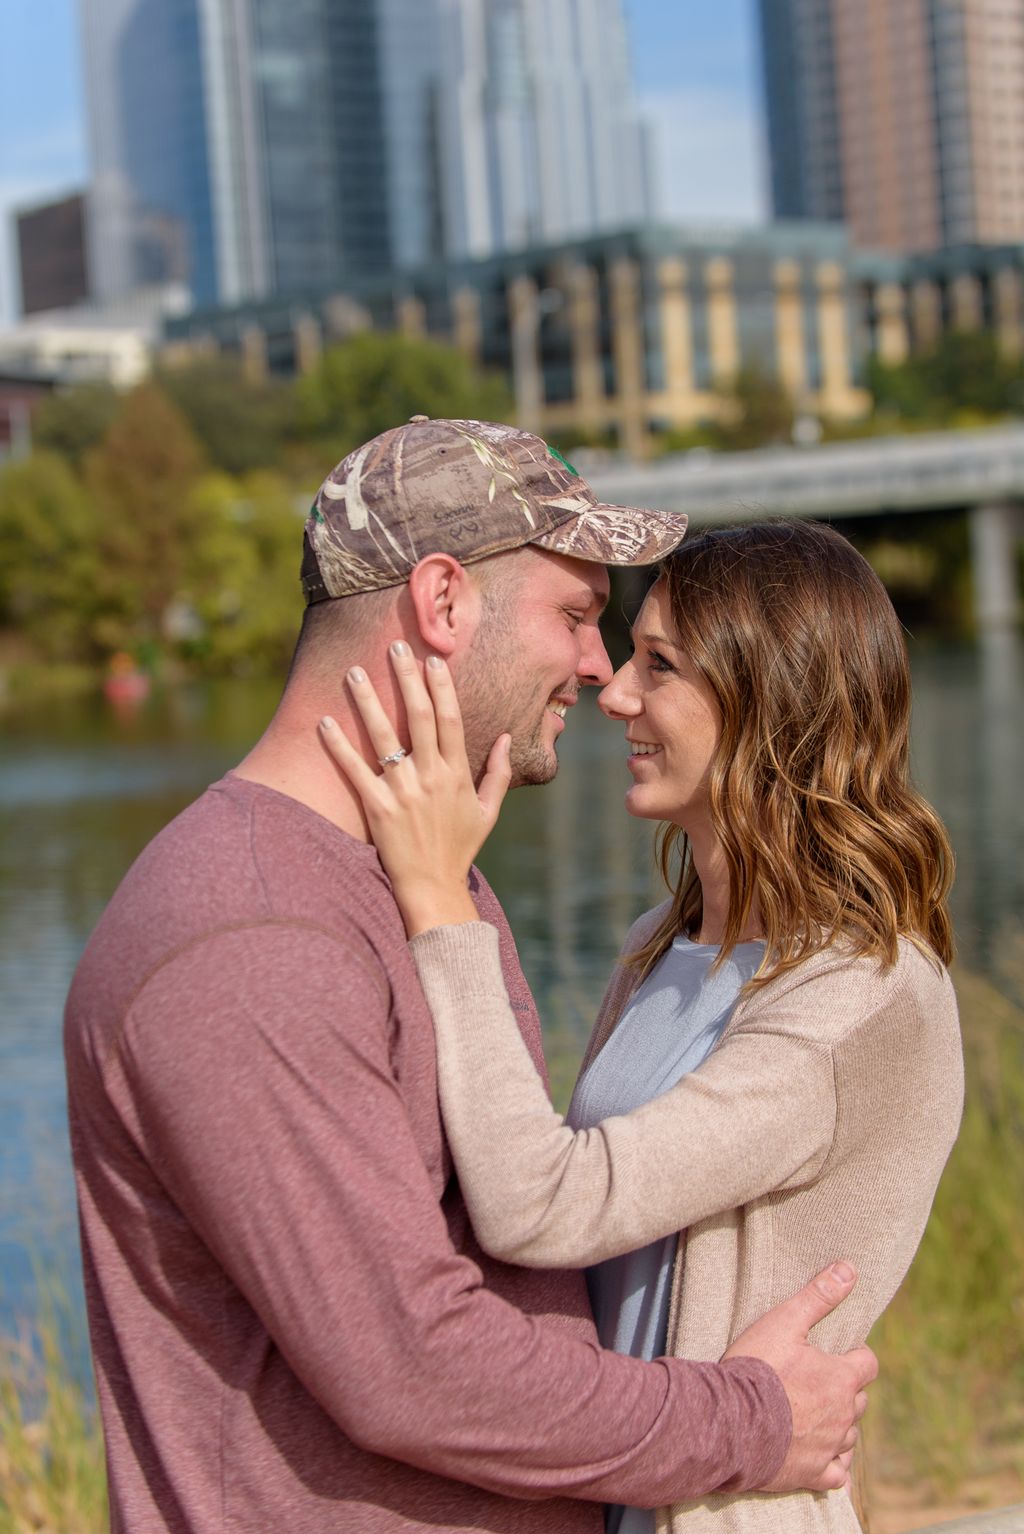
(539, 135)
(259, 147)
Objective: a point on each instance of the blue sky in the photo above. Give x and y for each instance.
(694, 61)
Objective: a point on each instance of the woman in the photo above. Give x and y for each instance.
(775, 1076)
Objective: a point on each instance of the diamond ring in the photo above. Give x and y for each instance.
(396, 756)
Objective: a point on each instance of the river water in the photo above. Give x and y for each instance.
(83, 788)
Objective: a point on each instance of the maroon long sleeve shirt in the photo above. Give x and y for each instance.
(292, 1325)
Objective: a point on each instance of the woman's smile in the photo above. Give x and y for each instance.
(659, 689)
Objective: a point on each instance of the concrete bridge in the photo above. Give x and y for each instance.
(981, 472)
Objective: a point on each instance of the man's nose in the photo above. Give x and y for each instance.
(595, 668)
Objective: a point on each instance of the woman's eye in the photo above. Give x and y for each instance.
(650, 658)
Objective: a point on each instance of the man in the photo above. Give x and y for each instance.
(293, 1326)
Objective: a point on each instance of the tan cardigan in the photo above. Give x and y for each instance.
(816, 1129)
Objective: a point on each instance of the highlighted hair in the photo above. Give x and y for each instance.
(810, 791)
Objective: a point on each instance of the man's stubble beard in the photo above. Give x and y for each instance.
(493, 700)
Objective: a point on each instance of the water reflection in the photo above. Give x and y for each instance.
(968, 748)
(81, 791)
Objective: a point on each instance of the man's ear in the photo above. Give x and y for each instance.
(445, 602)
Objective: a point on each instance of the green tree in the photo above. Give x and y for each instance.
(48, 558)
(241, 424)
(241, 579)
(72, 421)
(965, 372)
(141, 477)
(377, 380)
(757, 411)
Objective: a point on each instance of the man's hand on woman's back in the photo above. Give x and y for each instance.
(827, 1395)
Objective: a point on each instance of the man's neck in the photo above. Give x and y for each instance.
(290, 759)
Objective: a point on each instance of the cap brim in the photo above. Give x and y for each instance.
(616, 535)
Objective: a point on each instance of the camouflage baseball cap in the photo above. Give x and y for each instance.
(466, 488)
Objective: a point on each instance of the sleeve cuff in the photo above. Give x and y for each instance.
(459, 961)
(770, 1420)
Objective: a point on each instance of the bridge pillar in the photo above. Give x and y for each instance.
(585, 330)
(1006, 294)
(309, 342)
(677, 340)
(893, 340)
(411, 313)
(255, 365)
(723, 327)
(527, 375)
(966, 303)
(994, 535)
(837, 395)
(466, 324)
(628, 352)
(790, 344)
(926, 315)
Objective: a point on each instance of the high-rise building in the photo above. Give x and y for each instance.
(253, 147)
(51, 255)
(236, 144)
(800, 100)
(902, 117)
(540, 138)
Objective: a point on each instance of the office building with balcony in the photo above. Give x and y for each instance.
(900, 117)
(610, 336)
(908, 304)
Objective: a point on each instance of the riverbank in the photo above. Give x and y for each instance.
(32, 681)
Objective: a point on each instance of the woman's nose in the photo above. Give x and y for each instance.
(621, 699)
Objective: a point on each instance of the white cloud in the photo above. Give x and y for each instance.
(707, 155)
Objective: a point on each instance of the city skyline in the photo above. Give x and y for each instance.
(247, 150)
(695, 79)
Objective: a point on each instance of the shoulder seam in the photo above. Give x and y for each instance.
(255, 860)
(823, 961)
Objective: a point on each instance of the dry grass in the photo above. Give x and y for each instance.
(947, 1415)
(51, 1452)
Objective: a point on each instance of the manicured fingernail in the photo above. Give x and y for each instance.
(327, 723)
(356, 674)
(843, 1272)
(435, 662)
(400, 649)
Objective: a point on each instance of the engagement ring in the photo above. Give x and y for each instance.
(396, 756)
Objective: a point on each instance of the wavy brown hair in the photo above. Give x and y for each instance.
(809, 789)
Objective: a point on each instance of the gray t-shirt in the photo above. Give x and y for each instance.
(672, 1023)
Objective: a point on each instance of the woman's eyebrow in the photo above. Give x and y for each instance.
(653, 640)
